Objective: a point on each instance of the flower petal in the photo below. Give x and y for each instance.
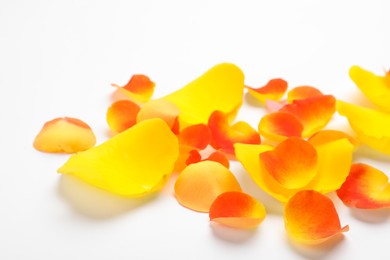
(366, 187)
(327, 136)
(140, 88)
(199, 184)
(197, 136)
(122, 115)
(278, 126)
(220, 88)
(64, 135)
(375, 88)
(302, 92)
(274, 90)
(311, 218)
(219, 157)
(372, 127)
(237, 209)
(132, 163)
(225, 136)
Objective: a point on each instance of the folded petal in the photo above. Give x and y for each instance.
(237, 209)
(220, 88)
(197, 136)
(375, 88)
(199, 184)
(273, 90)
(140, 88)
(365, 187)
(302, 92)
(132, 163)
(122, 115)
(327, 136)
(64, 135)
(278, 126)
(311, 218)
(372, 127)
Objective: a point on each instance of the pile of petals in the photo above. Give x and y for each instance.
(193, 133)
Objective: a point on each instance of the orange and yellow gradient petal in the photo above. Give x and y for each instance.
(139, 88)
(278, 126)
(122, 115)
(273, 90)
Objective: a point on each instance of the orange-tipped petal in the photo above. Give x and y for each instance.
(225, 136)
(237, 209)
(122, 115)
(375, 88)
(64, 135)
(372, 127)
(219, 157)
(193, 157)
(273, 90)
(140, 88)
(133, 163)
(293, 163)
(302, 92)
(311, 218)
(220, 88)
(197, 136)
(327, 136)
(199, 184)
(314, 113)
(365, 187)
(274, 106)
(278, 126)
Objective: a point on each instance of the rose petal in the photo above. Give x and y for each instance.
(219, 157)
(122, 115)
(302, 92)
(372, 127)
(273, 90)
(64, 135)
(197, 136)
(140, 88)
(132, 163)
(237, 209)
(327, 136)
(311, 218)
(199, 184)
(365, 187)
(278, 126)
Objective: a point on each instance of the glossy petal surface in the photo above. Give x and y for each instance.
(302, 92)
(122, 115)
(278, 126)
(273, 90)
(132, 163)
(139, 88)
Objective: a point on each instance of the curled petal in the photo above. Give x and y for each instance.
(199, 184)
(132, 163)
(311, 218)
(278, 126)
(237, 209)
(122, 115)
(314, 113)
(365, 187)
(372, 127)
(140, 88)
(225, 136)
(64, 135)
(273, 90)
(220, 88)
(327, 136)
(375, 88)
(302, 92)
(197, 136)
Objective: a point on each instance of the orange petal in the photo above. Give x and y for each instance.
(197, 136)
(326, 136)
(237, 209)
(302, 92)
(366, 187)
(311, 218)
(225, 136)
(140, 88)
(274, 90)
(278, 126)
(122, 115)
(193, 157)
(199, 184)
(219, 157)
(64, 135)
(314, 113)
(293, 163)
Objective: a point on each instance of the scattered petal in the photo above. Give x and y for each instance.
(327, 136)
(219, 157)
(199, 184)
(122, 115)
(193, 157)
(302, 92)
(366, 187)
(64, 135)
(278, 126)
(237, 210)
(274, 106)
(311, 218)
(140, 88)
(197, 136)
(273, 90)
(132, 163)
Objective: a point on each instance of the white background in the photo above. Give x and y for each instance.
(58, 58)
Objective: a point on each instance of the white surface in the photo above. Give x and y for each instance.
(58, 58)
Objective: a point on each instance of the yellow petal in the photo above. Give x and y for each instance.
(132, 163)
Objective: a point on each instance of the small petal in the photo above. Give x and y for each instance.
(197, 136)
(122, 115)
(237, 210)
(366, 187)
(64, 135)
(278, 126)
(327, 136)
(311, 218)
(201, 183)
(140, 88)
(302, 92)
(133, 163)
(273, 90)
(372, 127)
(219, 157)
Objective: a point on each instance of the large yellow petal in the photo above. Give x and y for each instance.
(132, 163)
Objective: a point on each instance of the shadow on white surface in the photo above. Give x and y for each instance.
(233, 235)
(372, 216)
(96, 203)
(364, 152)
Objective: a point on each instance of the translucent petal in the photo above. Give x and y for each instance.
(139, 88)
(278, 126)
(302, 92)
(273, 90)
(122, 115)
